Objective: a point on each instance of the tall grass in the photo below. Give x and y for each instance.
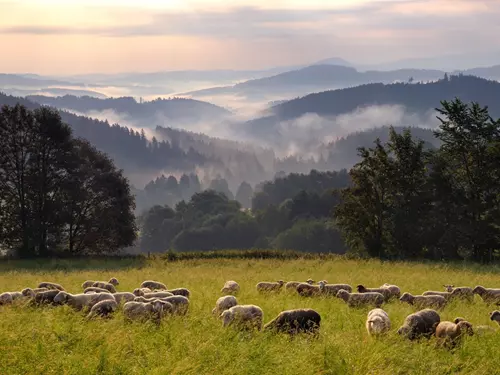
(57, 340)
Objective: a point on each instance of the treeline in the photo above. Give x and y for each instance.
(58, 194)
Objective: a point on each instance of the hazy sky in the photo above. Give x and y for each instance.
(83, 36)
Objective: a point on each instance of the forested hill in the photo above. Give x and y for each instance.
(418, 98)
(149, 114)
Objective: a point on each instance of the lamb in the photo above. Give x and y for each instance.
(140, 311)
(308, 290)
(123, 296)
(394, 289)
(6, 298)
(80, 301)
(180, 292)
(223, 304)
(153, 285)
(104, 285)
(384, 291)
(243, 316)
(44, 298)
(495, 316)
(449, 334)
(489, 295)
(422, 302)
(377, 322)
(446, 295)
(361, 299)
(95, 290)
(462, 292)
(420, 324)
(49, 285)
(265, 286)
(103, 308)
(295, 321)
(333, 289)
(230, 287)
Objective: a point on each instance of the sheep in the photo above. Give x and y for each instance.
(420, 324)
(292, 285)
(153, 285)
(449, 333)
(295, 321)
(230, 287)
(95, 290)
(495, 316)
(446, 295)
(422, 302)
(462, 292)
(180, 304)
(308, 290)
(310, 281)
(478, 330)
(264, 286)
(104, 285)
(180, 292)
(224, 303)
(44, 298)
(103, 308)
(6, 298)
(28, 292)
(89, 283)
(377, 322)
(333, 289)
(384, 291)
(489, 295)
(141, 311)
(157, 295)
(243, 316)
(123, 296)
(394, 289)
(81, 301)
(360, 299)
(49, 285)
(141, 291)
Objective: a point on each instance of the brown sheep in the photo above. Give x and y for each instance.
(308, 290)
(394, 289)
(52, 286)
(489, 295)
(462, 292)
(265, 286)
(230, 287)
(422, 302)
(495, 316)
(243, 317)
(295, 321)
(151, 284)
(420, 324)
(449, 334)
(384, 291)
(103, 309)
(361, 299)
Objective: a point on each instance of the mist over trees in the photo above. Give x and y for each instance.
(58, 195)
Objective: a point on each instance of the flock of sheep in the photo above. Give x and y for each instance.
(153, 300)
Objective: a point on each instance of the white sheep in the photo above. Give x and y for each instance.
(377, 322)
(489, 295)
(461, 292)
(123, 296)
(265, 286)
(384, 291)
(81, 301)
(103, 308)
(89, 283)
(104, 285)
(151, 284)
(224, 303)
(230, 287)
(180, 304)
(333, 289)
(141, 291)
(422, 302)
(446, 295)
(308, 290)
(95, 289)
(243, 316)
(141, 311)
(361, 299)
(28, 292)
(157, 295)
(394, 289)
(50, 285)
(6, 298)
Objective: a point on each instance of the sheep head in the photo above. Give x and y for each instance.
(449, 288)
(465, 327)
(407, 297)
(227, 317)
(479, 290)
(114, 281)
(361, 289)
(61, 297)
(310, 281)
(138, 292)
(343, 294)
(495, 316)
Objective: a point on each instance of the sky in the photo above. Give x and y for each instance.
(109, 36)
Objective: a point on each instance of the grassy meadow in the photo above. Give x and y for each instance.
(57, 340)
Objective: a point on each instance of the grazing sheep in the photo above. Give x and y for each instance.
(180, 292)
(95, 290)
(489, 295)
(394, 289)
(6, 298)
(28, 292)
(478, 330)
(44, 298)
(446, 295)
(384, 291)
(140, 311)
(377, 322)
(103, 308)
(449, 333)
(243, 316)
(49, 285)
(462, 292)
(153, 285)
(230, 287)
(420, 324)
(422, 302)
(223, 304)
(308, 290)
(310, 281)
(141, 291)
(333, 289)
(495, 316)
(123, 296)
(361, 299)
(291, 286)
(89, 283)
(265, 286)
(81, 301)
(295, 321)
(104, 285)
(158, 295)
(180, 304)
